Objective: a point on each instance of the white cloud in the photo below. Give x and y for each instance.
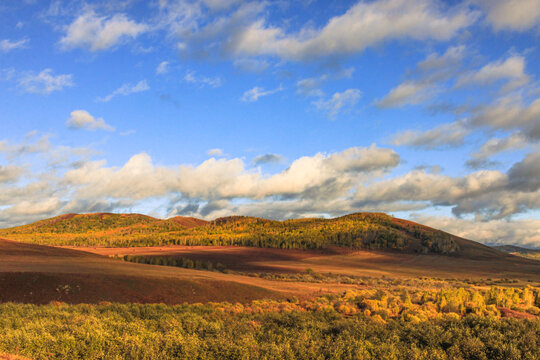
(452, 134)
(509, 113)
(44, 82)
(192, 78)
(126, 89)
(10, 173)
(255, 93)
(81, 119)
(425, 81)
(32, 208)
(7, 45)
(512, 70)
(162, 68)
(215, 152)
(310, 87)
(97, 33)
(216, 179)
(339, 102)
(496, 145)
(355, 179)
(363, 25)
(406, 93)
(517, 15)
(519, 232)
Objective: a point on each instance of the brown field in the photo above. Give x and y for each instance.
(345, 261)
(40, 274)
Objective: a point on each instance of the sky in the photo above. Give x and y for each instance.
(427, 110)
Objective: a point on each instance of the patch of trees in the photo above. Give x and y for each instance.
(175, 261)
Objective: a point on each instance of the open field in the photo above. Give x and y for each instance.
(39, 274)
(344, 261)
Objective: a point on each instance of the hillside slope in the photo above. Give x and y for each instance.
(354, 231)
(39, 274)
(519, 251)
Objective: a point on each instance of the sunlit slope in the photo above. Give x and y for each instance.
(102, 229)
(355, 231)
(519, 251)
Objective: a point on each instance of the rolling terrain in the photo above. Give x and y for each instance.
(519, 251)
(40, 274)
(242, 285)
(357, 245)
(354, 231)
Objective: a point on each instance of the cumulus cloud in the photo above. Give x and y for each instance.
(339, 102)
(256, 92)
(81, 119)
(45, 82)
(97, 33)
(126, 89)
(7, 45)
(446, 135)
(268, 159)
(486, 194)
(525, 175)
(226, 179)
(405, 93)
(496, 145)
(10, 173)
(516, 15)
(425, 80)
(364, 24)
(512, 70)
(509, 113)
(323, 184)
(518, 232)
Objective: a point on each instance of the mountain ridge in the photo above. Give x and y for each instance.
(357, 231)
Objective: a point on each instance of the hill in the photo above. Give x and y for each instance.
(39, 274)
(354, 231)
(519, 251)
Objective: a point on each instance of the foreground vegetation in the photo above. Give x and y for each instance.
(360, 324)
(356, 231)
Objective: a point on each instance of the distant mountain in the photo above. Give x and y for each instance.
(354, 231)
(519, 251)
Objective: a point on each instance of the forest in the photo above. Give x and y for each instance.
(355, 231)
(396, 324)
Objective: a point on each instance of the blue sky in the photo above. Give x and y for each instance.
(425, 109)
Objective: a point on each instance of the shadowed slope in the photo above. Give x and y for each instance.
(40, 274)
